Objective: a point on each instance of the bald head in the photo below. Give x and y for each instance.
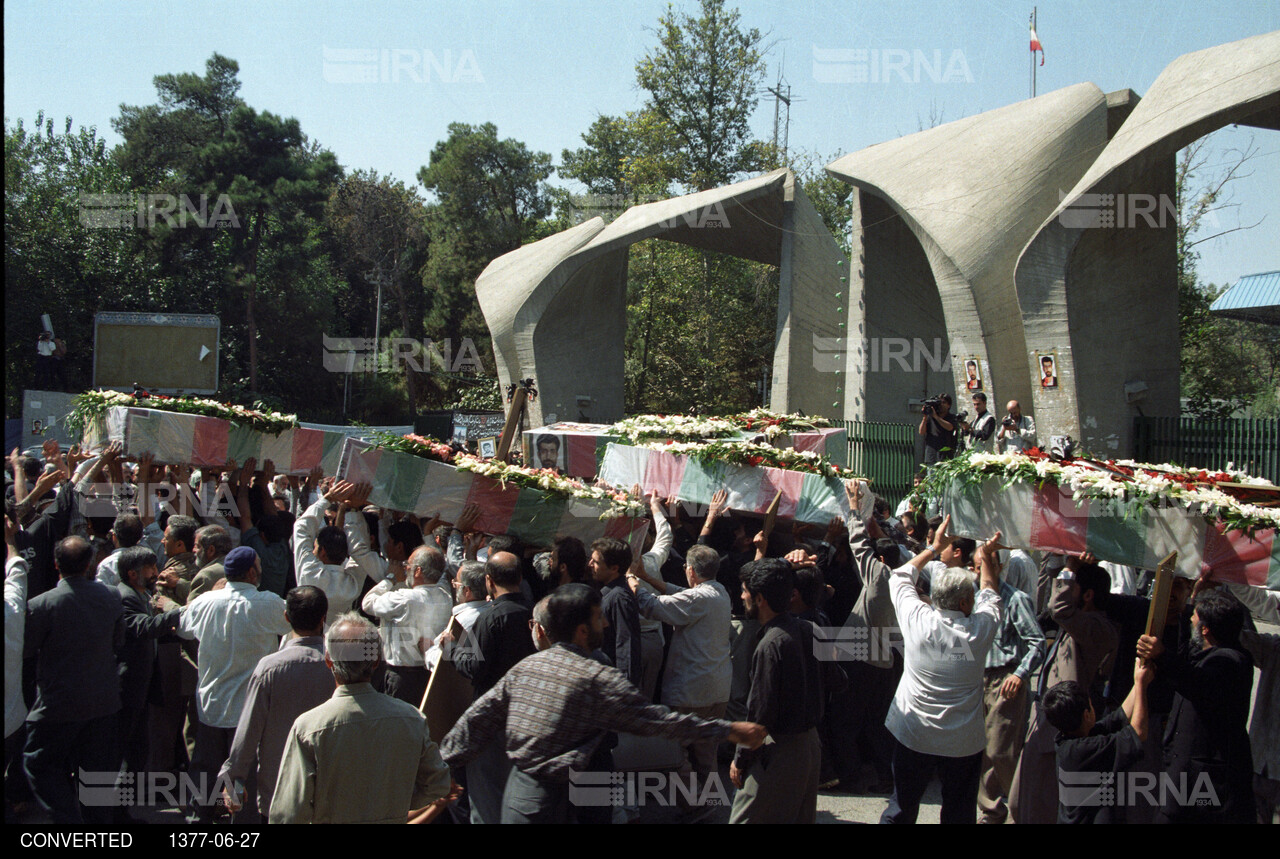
(1014, 409)
(73, 557)
(503, 569)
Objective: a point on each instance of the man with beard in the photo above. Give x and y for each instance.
(143, 625)
(779, 784)
(554, 707)
(1083, 652)
(1205, 736)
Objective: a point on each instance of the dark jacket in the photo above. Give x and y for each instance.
(139, 681)
(1206, 735)
(73, 633)
(499, 639)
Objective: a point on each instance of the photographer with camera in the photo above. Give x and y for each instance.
(938, 426)
(1017, 431)
(982, 427)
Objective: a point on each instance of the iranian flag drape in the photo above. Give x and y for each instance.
(1045, 517)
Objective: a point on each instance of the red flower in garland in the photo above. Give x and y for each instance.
(1035, 453)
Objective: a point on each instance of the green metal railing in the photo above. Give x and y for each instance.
(1250, 444)
(886, 453)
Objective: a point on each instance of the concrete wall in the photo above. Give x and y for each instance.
(812, 296)
(1122, 312)
(895, 307)
(588, 316)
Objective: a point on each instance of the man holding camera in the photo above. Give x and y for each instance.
(982, 427)
(938, 426)
(1017, 431)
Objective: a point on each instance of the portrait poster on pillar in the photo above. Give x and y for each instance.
(972, 374)
(1047, 368)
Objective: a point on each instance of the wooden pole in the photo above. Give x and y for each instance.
(513, 422)
(771, 515)
(1158, 613)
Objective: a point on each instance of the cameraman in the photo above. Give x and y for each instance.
(938, 429)
(1017, 431)
(982, 427)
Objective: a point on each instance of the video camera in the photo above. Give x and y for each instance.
(933, 406)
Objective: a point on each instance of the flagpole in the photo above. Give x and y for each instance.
(1034, 21)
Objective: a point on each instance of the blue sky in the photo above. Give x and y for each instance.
(543, 71)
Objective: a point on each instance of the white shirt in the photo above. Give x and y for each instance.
(236, 625)
(15, 620)
(467, 614)
(1124, 579)
(1022, 573)
(937, 709)
(109, 570)
(653, 561)
(45, 348)
(698, 671)
(1021, 438)
(341, 583)
(410, 617)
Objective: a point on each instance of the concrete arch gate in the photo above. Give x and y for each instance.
(556, 308)
(974, 235)
(1098, 281)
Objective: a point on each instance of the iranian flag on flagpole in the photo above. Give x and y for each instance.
(1035, 44)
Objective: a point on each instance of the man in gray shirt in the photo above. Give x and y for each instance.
(698, 674)
(285, 685)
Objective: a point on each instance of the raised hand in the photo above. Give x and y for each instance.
(467, 521)
(339, 492)
(359, 495)
(246, 473)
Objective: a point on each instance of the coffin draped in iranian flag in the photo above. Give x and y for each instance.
(416, 484)
(578, 449)
(688, 472)
(798, 432)
(1124, 512)
(203, 441)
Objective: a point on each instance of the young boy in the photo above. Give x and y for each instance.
(1091, 751)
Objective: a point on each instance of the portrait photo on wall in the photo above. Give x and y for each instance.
(1047, 362)
(488, 447)
(972, 374)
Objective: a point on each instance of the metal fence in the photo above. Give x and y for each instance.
(1250, 444)
(886, 453)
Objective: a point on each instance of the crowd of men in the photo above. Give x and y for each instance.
(272, 638)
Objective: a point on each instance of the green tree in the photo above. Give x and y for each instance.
(696, 336)
(65, 253)
(490, 197)
(380, 227)
(202, 139)
(702, 81)
(1226, 364)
